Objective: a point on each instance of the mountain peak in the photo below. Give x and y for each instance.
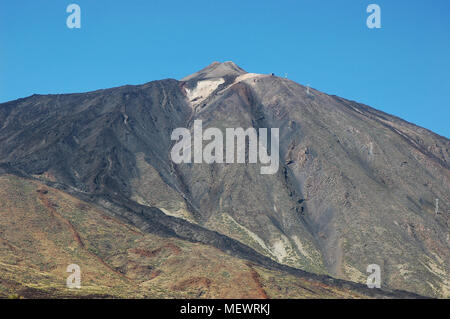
(216, 70)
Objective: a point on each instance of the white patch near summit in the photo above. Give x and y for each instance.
(203, 90)
(247, 76)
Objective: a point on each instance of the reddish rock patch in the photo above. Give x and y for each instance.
(194, 282)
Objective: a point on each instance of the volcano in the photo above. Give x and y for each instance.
(88, 178)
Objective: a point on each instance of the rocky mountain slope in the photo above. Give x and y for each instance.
(43, 230)
(355, 186)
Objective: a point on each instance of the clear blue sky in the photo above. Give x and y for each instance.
(402, 68)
